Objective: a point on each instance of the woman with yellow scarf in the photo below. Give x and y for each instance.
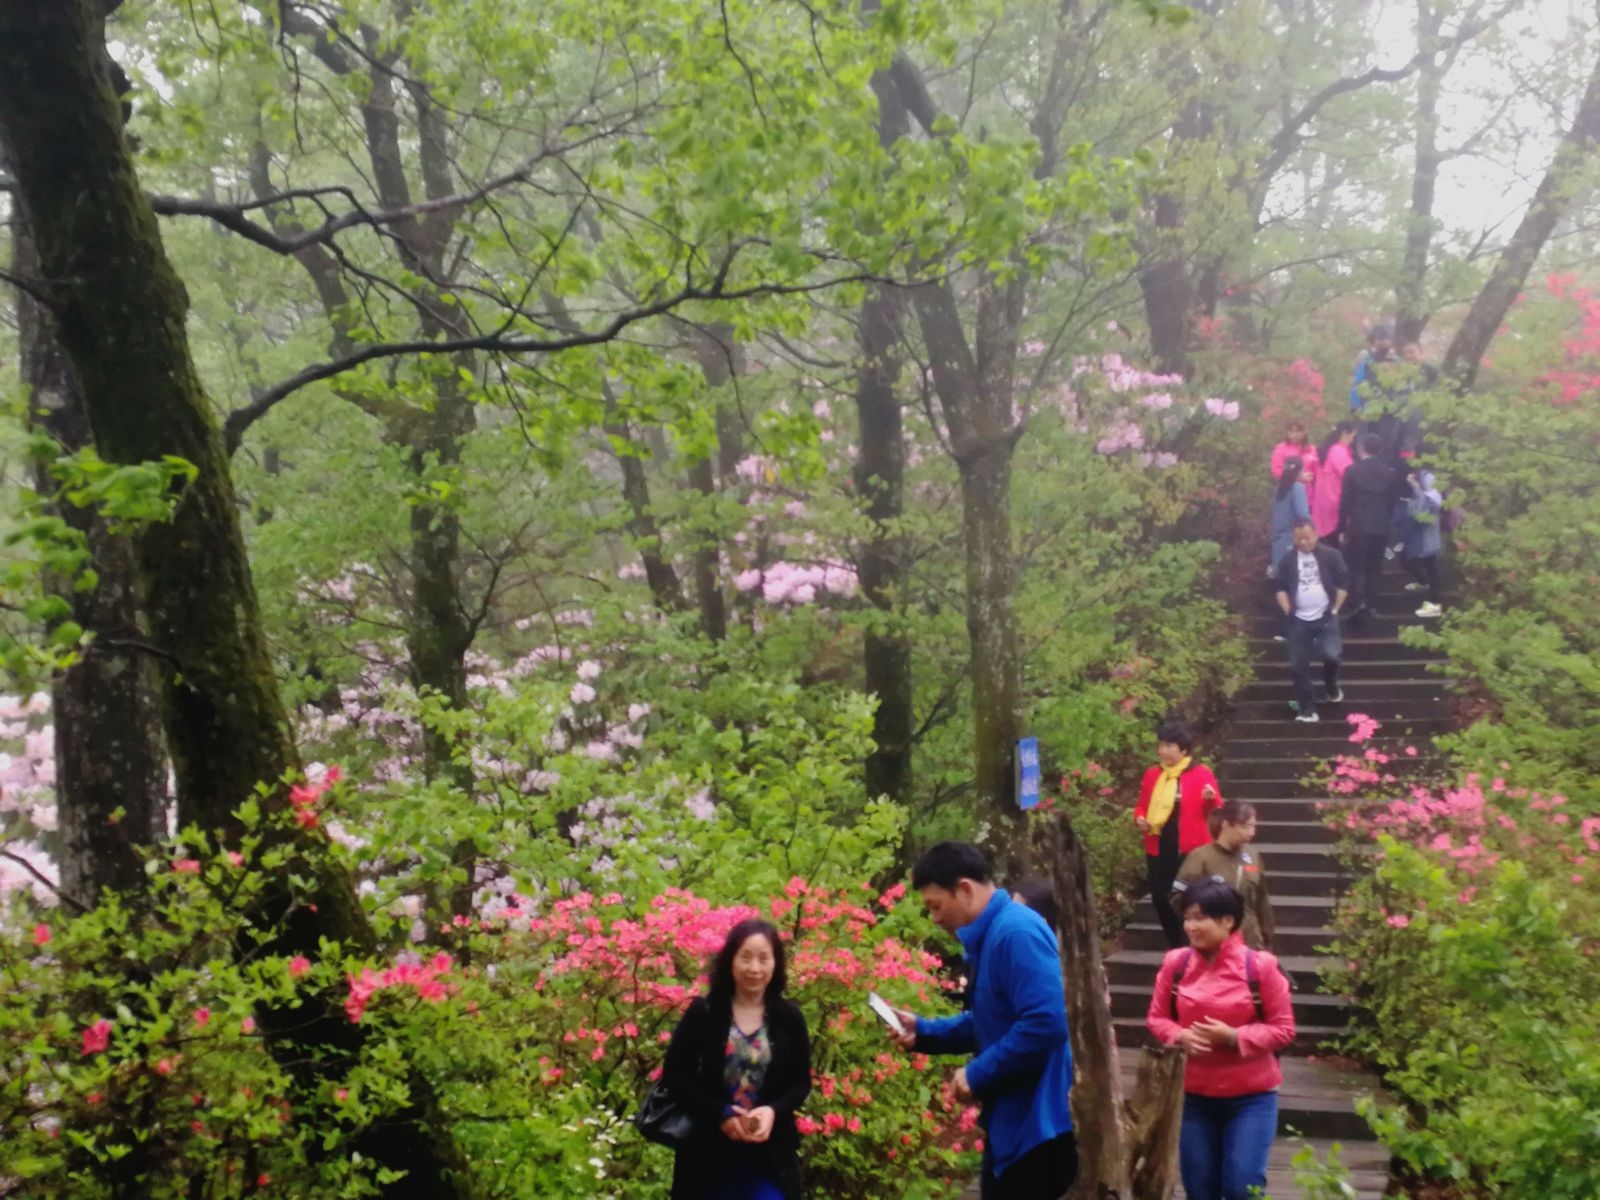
(1176, 798)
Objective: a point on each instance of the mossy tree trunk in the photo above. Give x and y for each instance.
(110, 754)
(120, 312)
(880, 486)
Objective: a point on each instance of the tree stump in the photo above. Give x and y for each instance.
(1126, 1150)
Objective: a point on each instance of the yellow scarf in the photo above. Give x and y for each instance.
(1164, 797)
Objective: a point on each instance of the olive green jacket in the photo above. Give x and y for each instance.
(1242, 869)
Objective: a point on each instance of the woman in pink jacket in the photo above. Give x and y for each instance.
(1229, 1007)
(1296, 444)
(1336, 460)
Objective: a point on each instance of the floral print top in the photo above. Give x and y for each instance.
(747, 1057)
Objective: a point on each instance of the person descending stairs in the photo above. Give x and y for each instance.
(1265, 759)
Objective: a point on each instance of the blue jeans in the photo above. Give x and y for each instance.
(748, 1187)
(1224, 1145)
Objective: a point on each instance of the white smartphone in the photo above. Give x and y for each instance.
(885, 1014)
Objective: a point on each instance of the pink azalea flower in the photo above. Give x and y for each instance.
(97, 1037)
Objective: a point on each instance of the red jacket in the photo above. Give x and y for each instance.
(1193, 832)
(1221, 988)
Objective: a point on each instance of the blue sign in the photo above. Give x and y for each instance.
(1027, 772)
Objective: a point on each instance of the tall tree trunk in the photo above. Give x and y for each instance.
(643, 527)
(880, 483)
(111, 764)
(1554, 197)
(991, 578)
(439, 633)
(1411, 309)
(718, 355)
(1165, 280)
(120, 311)
(976, 402)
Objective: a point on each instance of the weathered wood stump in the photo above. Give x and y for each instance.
(1127, 1149)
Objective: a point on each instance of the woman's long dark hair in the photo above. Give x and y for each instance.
(1292, 467)
(722, 985)
(1339, 430)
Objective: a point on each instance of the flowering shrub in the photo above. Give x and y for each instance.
(132, 1056)
(1519, 643)
(538, 1022)
(1470, 946)
(601, 983)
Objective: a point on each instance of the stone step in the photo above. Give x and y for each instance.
(1366, 1163)
(1291, 762)
(1294, 831)
(1334, 726)
(1361, 683)
(1398, 710)
(1357, 649)
(1291, 858)
(1273, 673)
(1286, 939)
(1280, 810)
(1318, 1099)
(1291, 910)
(1286, 883)
(1390, 617)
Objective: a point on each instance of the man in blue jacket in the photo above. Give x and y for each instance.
(1016, 1030)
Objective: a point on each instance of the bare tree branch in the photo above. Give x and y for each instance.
(1287, 140)
(500, 342)
(232, 216)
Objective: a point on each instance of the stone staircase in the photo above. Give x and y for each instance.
(1265, 759)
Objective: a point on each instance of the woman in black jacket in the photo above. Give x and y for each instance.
(740, 1063)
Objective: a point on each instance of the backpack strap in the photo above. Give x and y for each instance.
(1253, 978)
(1177, 978)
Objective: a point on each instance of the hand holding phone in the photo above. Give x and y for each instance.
(887, 1015)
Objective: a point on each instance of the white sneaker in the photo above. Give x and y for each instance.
(1414, 586)
(1309, 718)
(1430, 609)
(1336, 696)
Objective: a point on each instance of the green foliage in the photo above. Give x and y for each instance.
(131, 1057)
(1514, 459)
(47, 557)
(1470, 946)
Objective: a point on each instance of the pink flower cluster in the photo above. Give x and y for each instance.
(1580, 378)
(1119, 436)
(425, 978)
(1121, 376)
(795, 583)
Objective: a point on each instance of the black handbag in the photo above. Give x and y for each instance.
(662, 1120)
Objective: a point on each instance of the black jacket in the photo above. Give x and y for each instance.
(694, 1073)
(1371, 490)
(1330, 565)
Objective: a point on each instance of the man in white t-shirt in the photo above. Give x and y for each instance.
(1313, 585)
